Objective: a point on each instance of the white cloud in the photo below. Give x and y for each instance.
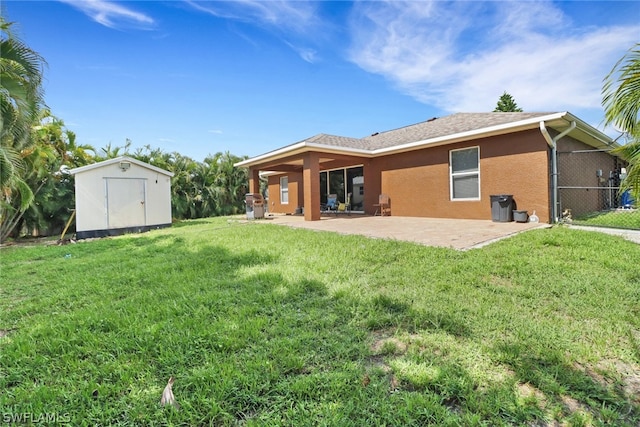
(463, 56)
(295, 16)
(110, 14)
(307, 54)
(294, 19)
(215, 131)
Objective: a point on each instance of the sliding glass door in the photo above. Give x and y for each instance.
(341, 182)
(336, 184)
(355, 180)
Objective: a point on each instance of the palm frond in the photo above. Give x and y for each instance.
(621, 93)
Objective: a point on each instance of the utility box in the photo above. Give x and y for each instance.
(255, 205)
(502, 208)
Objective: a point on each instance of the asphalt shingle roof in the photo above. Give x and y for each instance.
(448, 125)
(338, 141)
(433, 128)
(437, 130)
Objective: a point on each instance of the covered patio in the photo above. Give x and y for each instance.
(310, 172)
(460, 234)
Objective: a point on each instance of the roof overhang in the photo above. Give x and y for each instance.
(505, 128)
(557, 121)
(330, 152)
(583, 132)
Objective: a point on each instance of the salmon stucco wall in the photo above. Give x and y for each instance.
(417, 182)
(296, 193)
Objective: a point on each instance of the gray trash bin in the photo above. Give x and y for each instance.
(502, 207)
(520, 216)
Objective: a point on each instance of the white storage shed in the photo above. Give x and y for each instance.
(121, 195)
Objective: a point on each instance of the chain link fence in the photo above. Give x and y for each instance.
(589, 190)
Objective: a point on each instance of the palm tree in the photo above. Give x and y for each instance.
(21, 99)
(53, 189)
(38, 162)
(109, 152)
(184, 193)
(233, 181)
(154, 156)
(621, 100)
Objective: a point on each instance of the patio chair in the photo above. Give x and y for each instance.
(346, 206)
(332, 203)
(383, 205)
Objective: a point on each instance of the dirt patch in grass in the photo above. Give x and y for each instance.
(5, 332)
(573, 405)
(500, 281)
(30, 241)
(389, 345)
(385, 344)
(527, 390)
(613, 372)
(627, 374)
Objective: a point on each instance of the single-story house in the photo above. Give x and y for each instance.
(446, 167)
(121, 195)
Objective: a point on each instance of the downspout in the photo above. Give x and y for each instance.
(553, 143)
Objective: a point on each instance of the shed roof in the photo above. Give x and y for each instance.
(118, 160)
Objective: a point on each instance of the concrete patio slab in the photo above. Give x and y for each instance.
(460, 234)
(631, 235)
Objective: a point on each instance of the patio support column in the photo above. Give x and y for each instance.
(372, 185)
(254, 180)
(311, 185)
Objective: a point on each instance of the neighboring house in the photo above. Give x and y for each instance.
(121, 195)
(444, 167)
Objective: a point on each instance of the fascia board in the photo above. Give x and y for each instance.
(97, 165)
(118, 160)
(340, 150)
(271, 155)
(299, 148)
(470, 135)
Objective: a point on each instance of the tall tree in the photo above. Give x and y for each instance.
(230, 183)
(621, 101)
(184, 189)
(109, 152)
(54, 191)
(21, 98)
(507, 104)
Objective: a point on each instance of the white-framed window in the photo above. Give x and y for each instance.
(284, 190)
(464, 173)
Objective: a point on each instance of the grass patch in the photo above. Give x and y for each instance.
(623, 218)
(268, 325)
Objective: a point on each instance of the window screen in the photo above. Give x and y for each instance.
(284, 190)
(465, 173)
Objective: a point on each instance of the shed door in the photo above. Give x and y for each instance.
(125, 202)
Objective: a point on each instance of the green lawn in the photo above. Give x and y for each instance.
(267, 325)
(617, 219)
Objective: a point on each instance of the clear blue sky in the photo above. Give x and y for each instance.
(198, 77)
